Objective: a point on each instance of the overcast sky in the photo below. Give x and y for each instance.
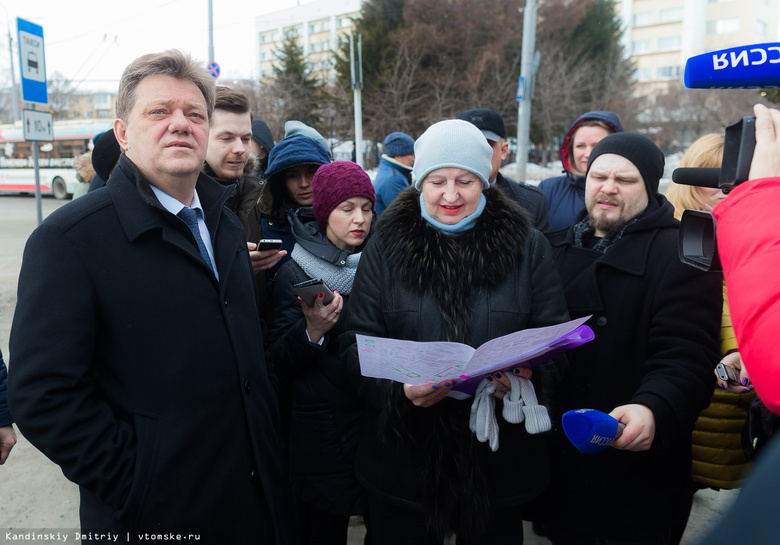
(91, 41)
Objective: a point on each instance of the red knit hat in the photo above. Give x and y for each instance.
(336, 182)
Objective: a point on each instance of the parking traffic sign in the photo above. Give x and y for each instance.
(32, 62)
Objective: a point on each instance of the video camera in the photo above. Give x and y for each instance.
(697, 230)
(752, 66)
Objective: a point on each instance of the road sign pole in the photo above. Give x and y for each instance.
(38, 202)
(32, 65)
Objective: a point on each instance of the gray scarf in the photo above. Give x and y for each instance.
(582, 230)
(335, 277)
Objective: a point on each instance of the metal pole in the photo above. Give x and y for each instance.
(14, 91)
(13, 75)
(357, 84)
(359, 105)
(38, 202)
(527, 72)
(211, 34)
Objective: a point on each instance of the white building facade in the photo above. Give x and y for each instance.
(318, 27)
(660, 35)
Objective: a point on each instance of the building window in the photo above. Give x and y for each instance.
(669, 42)
(670, 15)
(103, 101)
(723, 26)
(644, 18)
(761, 27)
(325, 25)
(667, 72)
(642, 74)
(640, 46)
(312, 27)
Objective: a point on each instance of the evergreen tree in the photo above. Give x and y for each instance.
(296, 95)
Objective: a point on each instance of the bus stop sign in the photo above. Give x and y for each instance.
(32, 62)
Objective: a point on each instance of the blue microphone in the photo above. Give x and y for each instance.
(748, 66)
(591, 431)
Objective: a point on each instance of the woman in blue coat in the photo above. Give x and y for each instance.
(565, 194)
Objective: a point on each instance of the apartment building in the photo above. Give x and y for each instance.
(660, 35)
(318, 27)
(81, 105)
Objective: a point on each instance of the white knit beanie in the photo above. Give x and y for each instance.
(452, 143)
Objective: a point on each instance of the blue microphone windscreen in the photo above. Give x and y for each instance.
(748, 66)
(589, 430)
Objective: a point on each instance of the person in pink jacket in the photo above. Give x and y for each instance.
(748, 224)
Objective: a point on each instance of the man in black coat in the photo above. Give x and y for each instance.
(527, 196)
(656, 323)
(137, 355)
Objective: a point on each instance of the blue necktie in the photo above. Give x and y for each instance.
(190, 217)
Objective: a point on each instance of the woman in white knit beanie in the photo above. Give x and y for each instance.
(452, 259)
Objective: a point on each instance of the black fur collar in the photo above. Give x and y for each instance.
(450, 268)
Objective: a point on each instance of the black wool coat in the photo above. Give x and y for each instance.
(325, 412)
(141, 375)
(657, 324)
(417, 283)
(530, 197)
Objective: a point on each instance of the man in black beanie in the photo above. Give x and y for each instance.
(656, 323)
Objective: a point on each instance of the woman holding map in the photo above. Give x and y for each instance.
(451, 260)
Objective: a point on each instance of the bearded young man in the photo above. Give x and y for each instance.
(656, 323)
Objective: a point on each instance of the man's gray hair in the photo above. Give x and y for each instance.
(172, 63)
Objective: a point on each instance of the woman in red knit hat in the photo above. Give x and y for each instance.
(323, 409)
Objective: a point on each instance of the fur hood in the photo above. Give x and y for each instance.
(451, 268)
(84, 169)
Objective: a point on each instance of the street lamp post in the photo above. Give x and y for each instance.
(14, 92)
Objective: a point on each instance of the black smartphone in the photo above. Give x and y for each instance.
(309, 290)
(727, 374)
(269, 244)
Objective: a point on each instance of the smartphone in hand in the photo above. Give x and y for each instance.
(269, 244)
(309, 290)
(727, 373)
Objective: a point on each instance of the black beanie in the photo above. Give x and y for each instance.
(638, 149)
(105, 154)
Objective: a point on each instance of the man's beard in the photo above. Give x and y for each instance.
(605, 224)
